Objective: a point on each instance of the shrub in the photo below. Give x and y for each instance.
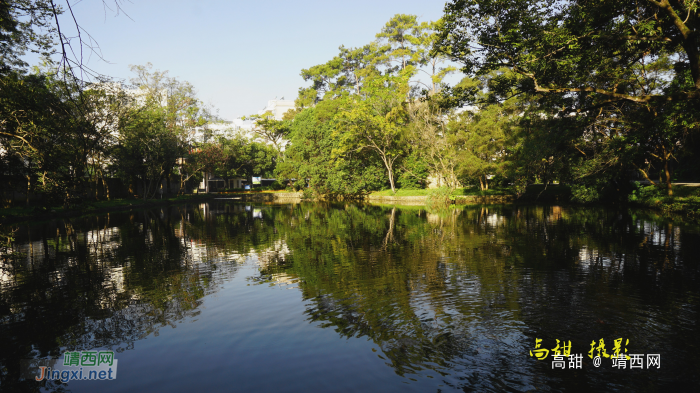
(440, 196)
(308, 193)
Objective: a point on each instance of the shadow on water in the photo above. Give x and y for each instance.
(455, 296)
(465, 292)
(103, 282)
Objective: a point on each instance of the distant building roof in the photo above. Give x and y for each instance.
(277, 107)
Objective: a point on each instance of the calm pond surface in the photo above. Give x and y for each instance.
(342, 298)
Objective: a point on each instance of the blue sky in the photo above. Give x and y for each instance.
(238, 54)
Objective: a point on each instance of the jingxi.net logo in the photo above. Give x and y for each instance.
(75, 366)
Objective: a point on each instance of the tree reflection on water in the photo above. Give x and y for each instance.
(465, 292)
(461, 293)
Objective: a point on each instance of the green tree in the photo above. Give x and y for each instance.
(25, 25)
(593, 68)
(402, 33)
(56, 130)
(179, 100)
(427, 36)
(413, 170)
(193, 161)
(431, 143)
(44, 134)
(344, 73)
(574, 47)
(373, 96)
(147, 149)
(242, 157)
(180, 109)
(307, 98)
(271, 130)
(481, 136)
(377, 120)
(104, 105)
(317, 157)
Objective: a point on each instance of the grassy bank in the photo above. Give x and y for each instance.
(685, 200)
(457, 192)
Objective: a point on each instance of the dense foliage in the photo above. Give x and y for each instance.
(64, 140)
(614, 86)
(592, 94)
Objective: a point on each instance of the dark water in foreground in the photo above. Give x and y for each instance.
(342, 298)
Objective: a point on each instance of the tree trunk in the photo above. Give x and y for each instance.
(97, 188)
(29, 184)
(133, 186)
(389, 170)
(645, 174)
(667, 172)
(167, 183)
(391, 182)
(669, 184)
(105, 186)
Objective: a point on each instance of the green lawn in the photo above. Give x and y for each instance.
(400, 192)
(457, 192)
(684, 200)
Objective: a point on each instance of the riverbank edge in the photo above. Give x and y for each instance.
(83, 211)
(458, 200)
(403, 200)
(297, 197)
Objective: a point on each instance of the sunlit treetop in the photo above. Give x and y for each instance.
(602, 48)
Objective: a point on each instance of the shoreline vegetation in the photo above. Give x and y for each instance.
(685, 201)
(533, 118)
(15, 215)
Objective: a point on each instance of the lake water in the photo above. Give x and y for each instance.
(226, 296)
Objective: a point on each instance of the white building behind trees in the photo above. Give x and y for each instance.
(277, 107)
(240, 127)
